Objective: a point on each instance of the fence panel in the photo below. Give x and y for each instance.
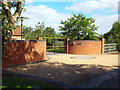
(57, 44)
(110, 48)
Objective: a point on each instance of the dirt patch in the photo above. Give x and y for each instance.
(69, 71)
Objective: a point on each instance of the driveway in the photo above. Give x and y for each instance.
(67, 70)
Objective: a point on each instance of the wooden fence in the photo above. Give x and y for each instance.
(110, 48)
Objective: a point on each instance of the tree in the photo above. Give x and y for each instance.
(40, 28)
(101, 35)
(113, 36)
(9, 19)
(30, 34)
(49, 32)
(79, 27)
(38, 32)
(26, 32)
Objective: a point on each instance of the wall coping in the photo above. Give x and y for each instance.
(85, 40)
(26, 40)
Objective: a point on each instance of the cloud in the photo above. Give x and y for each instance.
(90, 6)
(87, 6)
(28, 1)
(43, 13)
(56, 27)
(104, 23)
(51, 17)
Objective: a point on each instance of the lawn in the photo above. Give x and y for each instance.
(61, 50)
(17, 82)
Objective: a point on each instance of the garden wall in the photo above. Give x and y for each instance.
(83, 47)
(24, 51)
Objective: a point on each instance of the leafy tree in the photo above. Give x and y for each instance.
(49, 32)
(38, 31)
(101, 35)
(113, 36)
(9, 19)
(79, 27)
(114, 33)
(30, 34)
(40, 28)
(26, 32)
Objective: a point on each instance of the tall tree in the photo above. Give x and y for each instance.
(26, 32)
(38, 32)
(9, 19)
(49, 32)
(113, 36)
(40, 28)
(30, 34)
(114, 33)
(79, 27)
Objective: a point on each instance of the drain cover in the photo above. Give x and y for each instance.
(83, 57)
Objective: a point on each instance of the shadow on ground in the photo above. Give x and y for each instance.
(72, 75)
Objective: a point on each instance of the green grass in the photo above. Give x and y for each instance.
(17, 82)
(56, 50)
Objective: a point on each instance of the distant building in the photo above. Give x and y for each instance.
(16, 33)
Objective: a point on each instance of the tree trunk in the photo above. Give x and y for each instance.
(16, 14)
(78, 37)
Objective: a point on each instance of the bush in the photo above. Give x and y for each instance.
(118, 46)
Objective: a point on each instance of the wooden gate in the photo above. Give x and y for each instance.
(57, 44)
(110, 48)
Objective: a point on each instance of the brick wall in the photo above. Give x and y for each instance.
(85, 47)
(21, 52)
(16, 37)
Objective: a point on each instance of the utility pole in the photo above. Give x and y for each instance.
(21, 26)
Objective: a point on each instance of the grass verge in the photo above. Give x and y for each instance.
(18, 82)
(56, 50)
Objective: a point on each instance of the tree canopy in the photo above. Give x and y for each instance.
(49, 32)
(39, 31)
(113, 36)
(79, 27)
(9, 19)
(26, 32)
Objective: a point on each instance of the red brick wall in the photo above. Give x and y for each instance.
(87, 47)
(67, 45)
(21, 52)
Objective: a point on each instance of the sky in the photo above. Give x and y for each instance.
(51, 12)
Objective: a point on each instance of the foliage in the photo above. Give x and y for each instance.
(113, 36)
(101, 36)
(118, 46)
(39, 28)
(79, 27)
(40, 31)
(49, 32)
(34, 34)
(9, 19)
(26, 32)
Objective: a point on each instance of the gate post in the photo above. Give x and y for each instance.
(40, 38)
(102, 46)
(67, 45)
